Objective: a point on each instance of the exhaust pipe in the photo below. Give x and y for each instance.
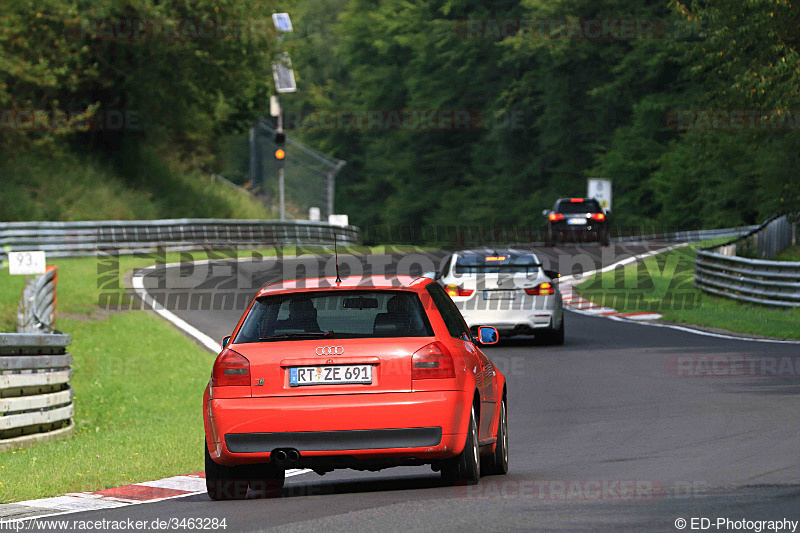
(293, 456)
(278, 456)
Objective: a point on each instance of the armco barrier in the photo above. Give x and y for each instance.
(35, 396)
(63, 239)
(719, 271)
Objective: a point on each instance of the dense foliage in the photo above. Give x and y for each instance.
(691, 108)
(658, 113)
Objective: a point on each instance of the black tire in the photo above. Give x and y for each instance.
(553, 337)
(465, 469)
(224, 482)
(497, 463)
(267, 478)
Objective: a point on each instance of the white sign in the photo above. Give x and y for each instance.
(314, 214)
(339, 220)
(600, 189)
(26, 263)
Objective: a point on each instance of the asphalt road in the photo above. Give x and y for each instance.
(605, 433)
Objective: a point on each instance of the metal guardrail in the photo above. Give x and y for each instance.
(719, 271)
(691, 235)
(35, 396)
(64, 239)
(37, 308)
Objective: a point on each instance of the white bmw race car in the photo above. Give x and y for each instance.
(507, 289)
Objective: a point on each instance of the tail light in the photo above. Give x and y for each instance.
(456, 290)
(576, 200)
(553, 217)
(541, 290)
(231, 369)
(432, 362)
(598, 216)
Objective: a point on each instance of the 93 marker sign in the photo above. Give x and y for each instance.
(26, 263)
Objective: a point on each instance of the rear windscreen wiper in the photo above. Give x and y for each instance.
(306, 335)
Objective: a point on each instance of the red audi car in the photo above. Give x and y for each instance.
(363, 374)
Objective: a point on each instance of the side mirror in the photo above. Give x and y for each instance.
(226, 341)
(552, 274)
(488, 335)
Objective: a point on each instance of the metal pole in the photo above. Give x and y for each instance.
(330, 193)
(280, 193)
(332, 184)
(253, 159)
(281, 169)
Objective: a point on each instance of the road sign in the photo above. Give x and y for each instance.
(27, 263)
(338, 220)
(600, 189)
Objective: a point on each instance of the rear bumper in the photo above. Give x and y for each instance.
(509, 321)
(330, 441)
(420, 425)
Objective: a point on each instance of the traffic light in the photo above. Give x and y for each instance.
(280, 150)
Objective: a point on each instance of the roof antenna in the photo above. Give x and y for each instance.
(336, 253)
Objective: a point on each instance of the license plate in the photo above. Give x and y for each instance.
(330, 375)
(576, 221)
(499, 295)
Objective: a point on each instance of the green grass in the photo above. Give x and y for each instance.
(55, 184)
(665, 284)
(791, 253)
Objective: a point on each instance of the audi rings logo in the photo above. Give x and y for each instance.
(329, 350)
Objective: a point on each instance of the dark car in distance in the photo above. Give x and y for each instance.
(577, 220)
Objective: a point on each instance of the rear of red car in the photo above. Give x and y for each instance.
(340, 376)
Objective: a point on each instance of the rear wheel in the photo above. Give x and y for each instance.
(497, 463)
(225, 482)
(553, 336)
(466, 467)
(266, 478)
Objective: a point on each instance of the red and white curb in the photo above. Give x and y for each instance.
(574, 302)
(138, 493)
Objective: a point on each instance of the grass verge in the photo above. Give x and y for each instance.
(665, 284)
(792, 253)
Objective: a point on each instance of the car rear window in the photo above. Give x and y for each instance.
(474, 263)
(349, 314)
(576, 208)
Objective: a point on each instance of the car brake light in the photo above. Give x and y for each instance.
(432, 362)
(576, 200)
(455, 290)
(598, 216)
(541, 289)
(230, 369)
(555, 216)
